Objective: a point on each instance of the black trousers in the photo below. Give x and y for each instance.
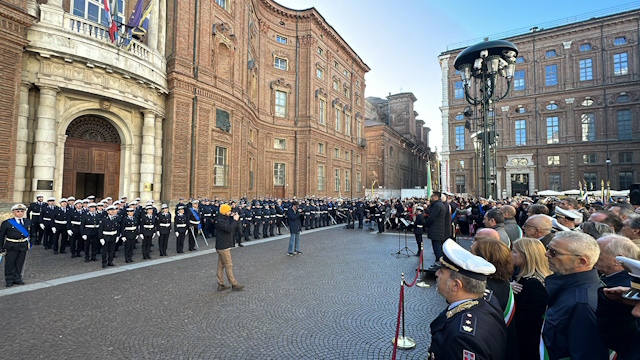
(163, 242)
(146, 246)
(76, 244)
(192, 238)
(360, 220)
(35, 232)
(180, 242)
(265, 228)
(48, 237)
(108, 250)
(246, 231)
(380, 224)
(256, 229)
(59, 239)
(91, 244)
(128, 247)
(419, 242)
(14, 260)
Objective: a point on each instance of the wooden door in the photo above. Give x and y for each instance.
(278, 192)
(91, 157)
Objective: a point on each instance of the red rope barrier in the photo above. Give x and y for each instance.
(417, 271)
(395, 341)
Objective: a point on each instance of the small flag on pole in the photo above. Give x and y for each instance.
(112, 25)
(143, 23)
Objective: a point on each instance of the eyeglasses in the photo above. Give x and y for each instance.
(555, 253)
(19, 210)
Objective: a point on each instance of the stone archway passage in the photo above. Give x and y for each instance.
(91, 158)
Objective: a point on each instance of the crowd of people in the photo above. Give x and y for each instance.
(561, 276)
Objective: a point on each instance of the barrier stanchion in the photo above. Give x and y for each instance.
(422, 283)
(395, 338)
(404, 342)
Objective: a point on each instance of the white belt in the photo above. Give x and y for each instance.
(131, 228)
(149, 226)
(47, 219)
(91, 226)
(35, 214)
(248, 219)
(109, 233)
(278, 215)
(181, 225)
(76, 223)
(63, 222)
(194, 222)
(207, 214)
(17, 240)
(419, 226)
(258, 217)
(165, 225)
(377, 214)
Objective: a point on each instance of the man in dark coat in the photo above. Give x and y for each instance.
(295, 227)
(225, 228)
(14, 243)
(436, 224)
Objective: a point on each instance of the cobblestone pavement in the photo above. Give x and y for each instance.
(337, 300)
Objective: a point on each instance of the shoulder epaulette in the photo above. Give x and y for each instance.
(468, 324)
(464, 306)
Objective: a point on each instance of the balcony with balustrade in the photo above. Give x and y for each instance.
(77, 39)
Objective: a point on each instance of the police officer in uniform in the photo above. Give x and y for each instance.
(247, 219)
(129, 231)
(60, 221)
(418, 229)
(34, 213)
(108, 232)
(14, 243)
(89, 230)
(257, 220)
(74, 226)
(164, 223)
(149, 228)
(194, 215)
(469, 328)
(48, 213)
(266, 219)
(206, 219)
(180, 227)
(360, 213)
(279, 215)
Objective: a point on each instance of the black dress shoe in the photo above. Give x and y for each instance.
(110, 264)
(240, 245)
(9, 284)
(86, 260)
(73, 256)
(18, 282)
(104, 266)
(62, 252)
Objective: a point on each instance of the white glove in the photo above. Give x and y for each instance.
(54, 230)
(177, 234)
(117, 239)
(124, 238)
(70, 232)
(84, 237)
(101, 241)
(42, 226)
(141, 236)
(158, 233)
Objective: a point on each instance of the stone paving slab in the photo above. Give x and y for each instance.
(338, 300)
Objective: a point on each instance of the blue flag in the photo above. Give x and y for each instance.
(143, 23)
(136, 16)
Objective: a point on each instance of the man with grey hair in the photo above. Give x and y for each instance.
(610, 247)
(510, 224)
(570, 328)
(623, 210)
(631, 229)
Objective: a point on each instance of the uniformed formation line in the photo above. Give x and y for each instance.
(118, 269)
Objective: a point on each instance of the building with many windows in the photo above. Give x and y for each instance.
(571, 115)
(397, 143)
(229, 98)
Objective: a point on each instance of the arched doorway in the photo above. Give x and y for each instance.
(91, 158)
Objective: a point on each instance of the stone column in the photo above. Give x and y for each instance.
(157, 176)
(147, 154)
(22, 137)
(152, 30)
(125, 169)
(44, 157)
(58, 173)
(162, 26)
(32, 7)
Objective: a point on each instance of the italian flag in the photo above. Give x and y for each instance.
(112, 25)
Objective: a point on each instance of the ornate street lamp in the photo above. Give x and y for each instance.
(480, 67)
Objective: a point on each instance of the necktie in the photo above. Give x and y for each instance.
(20, 221)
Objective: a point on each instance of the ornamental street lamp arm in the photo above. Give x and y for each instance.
(506, 92)
(470, 100)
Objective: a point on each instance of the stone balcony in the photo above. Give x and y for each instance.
(76, 39)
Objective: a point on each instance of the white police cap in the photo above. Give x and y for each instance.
(633, 267)
(92, 204)
(110, 207)
(568, 214)
(18, 207)
(457, 259)
(51, 199)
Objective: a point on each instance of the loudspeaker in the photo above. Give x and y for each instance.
(634, 194)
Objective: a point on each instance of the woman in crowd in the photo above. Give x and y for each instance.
(530, 295)
(498, 254)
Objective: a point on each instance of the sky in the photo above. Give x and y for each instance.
(400, 40)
